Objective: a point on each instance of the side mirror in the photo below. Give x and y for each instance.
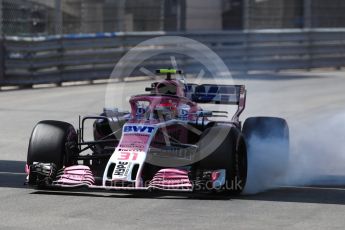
(149, 89)
(204, 113)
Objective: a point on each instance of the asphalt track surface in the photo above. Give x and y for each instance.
(297, 96)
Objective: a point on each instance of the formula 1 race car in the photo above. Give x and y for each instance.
(167, 142)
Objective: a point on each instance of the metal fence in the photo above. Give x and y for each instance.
(49, 17)
(58, 59)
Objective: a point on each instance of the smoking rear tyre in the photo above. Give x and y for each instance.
(267, 141)
(50, 142)
(229, 153)
(266, 127)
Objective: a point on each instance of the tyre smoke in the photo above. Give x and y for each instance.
(317, 156)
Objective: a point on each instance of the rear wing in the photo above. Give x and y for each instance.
(218, 94)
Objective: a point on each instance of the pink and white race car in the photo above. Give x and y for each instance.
(167, 142)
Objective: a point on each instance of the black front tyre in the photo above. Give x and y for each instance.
(228, 152)
(52, 142)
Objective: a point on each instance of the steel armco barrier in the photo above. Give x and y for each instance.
(56, 59)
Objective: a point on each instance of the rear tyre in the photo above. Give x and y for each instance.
(52, 142)
(267, 141)
(229, 153)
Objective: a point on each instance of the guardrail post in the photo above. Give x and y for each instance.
(60, 66)
(28, 56)
(246, 60)
(309, 41)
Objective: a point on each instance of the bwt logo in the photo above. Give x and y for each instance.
(138, 129)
